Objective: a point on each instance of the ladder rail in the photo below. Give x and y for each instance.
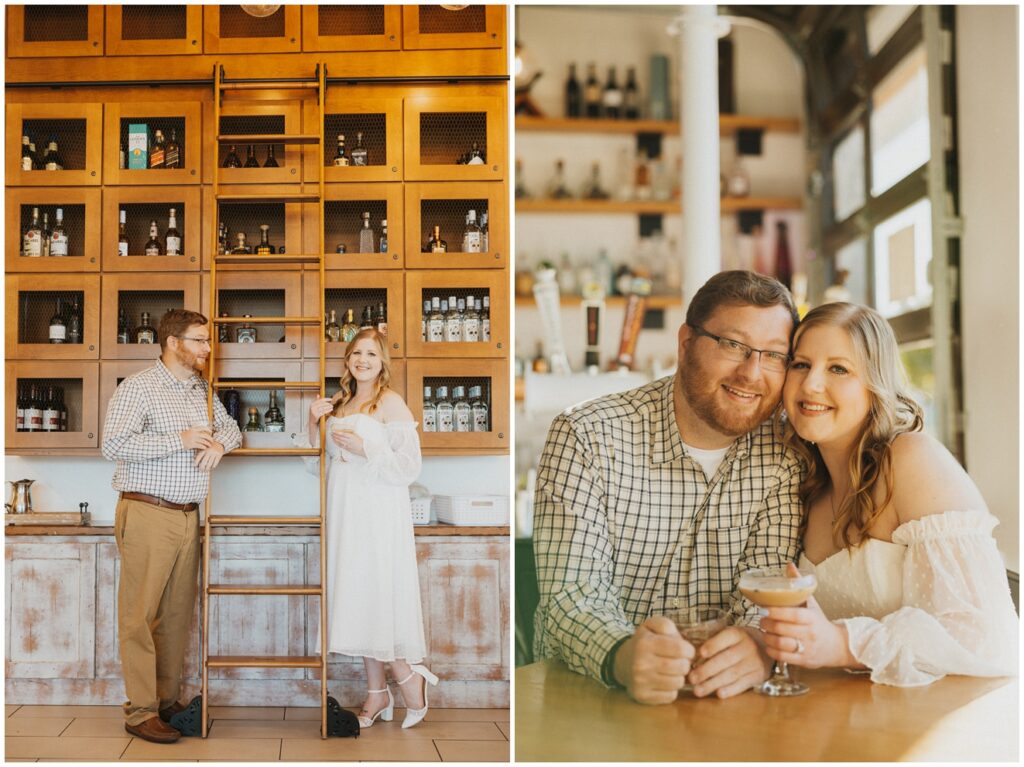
(321, 112)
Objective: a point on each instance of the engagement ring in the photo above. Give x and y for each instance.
(799, 647)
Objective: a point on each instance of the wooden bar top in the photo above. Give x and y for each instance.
(418, 530)
(564, 716)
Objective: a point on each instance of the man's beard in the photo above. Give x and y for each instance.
(702, 397)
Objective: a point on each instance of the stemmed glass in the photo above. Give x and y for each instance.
(775, 587)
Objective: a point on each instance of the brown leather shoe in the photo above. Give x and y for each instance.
(171, 710)
(154, 731)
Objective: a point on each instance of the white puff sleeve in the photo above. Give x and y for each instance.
(957, 615)
(301, 439)
(395, 458)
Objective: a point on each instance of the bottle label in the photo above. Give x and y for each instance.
(475, 160)
(52, 166)
(471, 330)
(59, 245)
(444, 420)
(341, 162)
(33, 244)
(246, 335)
(58, 334)
(472, 242)
(274, 425)
(156, 158)
(613, 99)
(146, 337)
(453, 329)
(51, 420)
(153, 251)
(171, 158)
(33, 419)
(173, 246)
(122, 337)
(463, 420)
(485, 330)
(358, 158)
(479, 420)
(438, 248)
(436, 330)
(26, 163)
(19, 420)
(429, 419)
(122, 248)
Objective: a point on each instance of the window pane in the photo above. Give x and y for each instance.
(918, 361)
(853, 258)
(848, 174)
(903, 253)
(882, 23)
(899, 122)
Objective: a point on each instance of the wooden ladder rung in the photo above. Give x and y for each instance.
(241, 199)
(225, 589)
(289, 385)
(283, 259)
(267, 320)
(270, 138)
(227, 520)
(263, 661)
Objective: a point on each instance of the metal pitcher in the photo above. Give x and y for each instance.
(21, 498)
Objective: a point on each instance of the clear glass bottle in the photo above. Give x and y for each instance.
(383, 235)
(75, 323)
(480, 411)
(445, 411)
(429, 418)
(232, 160)
(32, 238)
(173, 236)
(122, 235)
(472, 238)
(124, 328)
(265, 248)
(423, 322)
(557, 190)
(485, 233)
(271, 161)
(453, 321)
(593, 190)
(485, 320)
(272, 419)
(45, 234)
(58, 327)
(381, 319)
(250, 157)
(59, 237)
(435, 325)
(254, 421)
(145, 333)
(522, 193)
(471, 321)
(246, 333)
(332, 330)
(241, 249)
(158, 152)
(462, 412)
(153, 246)
(349, 327)
(172, 152)
(366, 236)
(53, 160)
(341, 158)
(359, 154)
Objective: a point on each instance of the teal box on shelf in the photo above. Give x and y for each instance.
(138, 146)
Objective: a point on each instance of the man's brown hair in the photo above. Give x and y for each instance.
(739, 288)
(176, 322)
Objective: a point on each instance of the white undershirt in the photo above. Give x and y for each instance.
(709, 460)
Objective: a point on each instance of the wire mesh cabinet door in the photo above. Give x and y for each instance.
(154, 30)
(351, 27)
(76, 129)
(54, 30)
(435, 26)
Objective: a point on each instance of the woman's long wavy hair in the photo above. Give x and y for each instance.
(348, 384)
(892, 413)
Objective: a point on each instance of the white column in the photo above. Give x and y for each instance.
(698, 99)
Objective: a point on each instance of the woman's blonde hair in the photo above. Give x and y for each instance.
(892, 413)
(348, 384)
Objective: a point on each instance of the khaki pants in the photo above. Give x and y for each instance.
(156, 599)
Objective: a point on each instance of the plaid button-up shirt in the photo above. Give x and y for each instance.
(627, 525)
(142, 432)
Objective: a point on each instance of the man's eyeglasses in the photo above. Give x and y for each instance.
(205, 341)
(740, 352)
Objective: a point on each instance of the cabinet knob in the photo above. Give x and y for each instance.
(92, 348)
(501, 435)
(394, 169)
(192, 172)
(192, 259)
(494, 167)
(92, 259)
(92, 173)
(391, 38)
(499, 344)
(293, 171)
(497, 256)
(293, 346)
(292, 41)
(95, 43)
(90, 435)
(394, 346)
(194, 42)
(394, 257)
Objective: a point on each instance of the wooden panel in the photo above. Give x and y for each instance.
(188, 44)
(464, 596)
(288, 282)
(497, 440)
(416, 35)
(294, 213)
(496, 285)
(81, 404)
(417, 230)
(430, 157)
(384, 145)
(83, 247)
(290, 405)
(18, 46)
(355, 16)
(391, 281)
(114, 284)
(87, 284)
(50, 595)
(347, 231)
(110, 375)
(108, 573)
(261, 106)
(88, 156)
(216, 42)
(185, 198)
(190, 142)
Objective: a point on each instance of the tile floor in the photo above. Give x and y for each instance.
(96, 733)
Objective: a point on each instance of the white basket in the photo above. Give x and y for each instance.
(421, 511)
(471, 509)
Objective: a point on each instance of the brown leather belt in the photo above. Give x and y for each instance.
(158, 501)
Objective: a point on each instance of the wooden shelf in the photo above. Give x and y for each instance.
(653, 302)
(727, 125)
(728, 205)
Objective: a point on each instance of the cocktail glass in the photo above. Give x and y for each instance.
(697, 625)
(775, 587)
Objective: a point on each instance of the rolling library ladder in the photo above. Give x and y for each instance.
(222, 85)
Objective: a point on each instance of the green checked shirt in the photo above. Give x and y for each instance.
(626, 524)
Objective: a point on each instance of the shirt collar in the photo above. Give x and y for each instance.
(169, 379)
(666, 441)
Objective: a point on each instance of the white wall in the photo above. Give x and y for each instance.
(987, 93)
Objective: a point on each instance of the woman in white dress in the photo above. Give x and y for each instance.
(911, 586)
(373, 595)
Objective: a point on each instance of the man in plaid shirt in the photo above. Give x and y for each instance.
(157, 429)
(659, 497)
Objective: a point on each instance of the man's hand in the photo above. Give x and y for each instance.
(653, 663)
(196, 438)
(207, 460)
(731, 662)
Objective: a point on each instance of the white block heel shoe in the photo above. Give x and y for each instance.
(414, 716)
(386, 714)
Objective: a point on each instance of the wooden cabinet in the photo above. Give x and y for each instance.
(134, 294)
(354, 290)
(344, 206)
(351, 27)
(81, 209)
(32, 299)
(423, 286)
(442, 126)
(79, 382)
(180, 119)
(490, 375)
(332, 376)
(112, 373)
(143, 205)
(148, 30)
(77, 129)
(467, 26)
(374, 112)
(54, 30)
(229, 29)
(288, 402)
(241, 116)
(446, 205)
(283, 218)
(260, 294)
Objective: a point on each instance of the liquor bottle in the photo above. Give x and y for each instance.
(737, 183)
(145, 333)
(429, 418)
(173, 238)
(522, 193)
(232, 161)
(254, 421)
(223, 331)
(273, 419)
(59, 237)
(472, 238)
(246, 333)
(62, 407)
(539, 364)
(44, 233)
(453, 321)
(271, 161)
(592, 92)
(120, 157)
(332, 330)
(366, 236)
(573, 94)
(557, 190)
(444, 410)
(783, 263)
(153, 247)
(250, 157)
(51, 413)
(435, 244)
(122, 236)
(642, 179)
(366, 321)
(158, 151)
(485, 233)
(37, 160)
(232, 403)
(264, 248)
(383, 235)
(485, 320)
(19, 413)
(340, 157)
(74, 323)
(471, 321)
(124, 328)
(476, 155)
(33, 410)
(26, 160)
(381, 319)
(631, 96)
(359, 153)
(435, 324)
(241, 249)
(461, 410)
(480, 411)
(424, 336)
(222, 239)
(349, 327)
(172, 152)
(611, 98)
(58, 327)
(52, 160)
(592, 189)
(32, 239)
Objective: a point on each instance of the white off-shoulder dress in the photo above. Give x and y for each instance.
(934, 601)
(373, 592)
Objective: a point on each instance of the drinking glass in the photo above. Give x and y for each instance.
(697, 625)
(775, 587)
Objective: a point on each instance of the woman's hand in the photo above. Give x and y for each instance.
(319, 409)
(804, 637)
(348, 440)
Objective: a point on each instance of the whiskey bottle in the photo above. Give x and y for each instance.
(476, 155)
(340, 158)
(429, 418)
(52, 160)
(172, 152)
(445, 412)
(62, 407)
(453, 321)
(75, 323)
(366, 236)
(153, 247)
(32, 239)
(45, 235)
(472, 238)
(592, 92)
(272, 419)
(480, 411)
(424, 336)
(37, 160)
(145, 333)
(59, 237)
(359, 154)
(461, 410)
(471, 321)
(124, 328)
(250, 157)
(381, 319)
(264, 248)
(349, 327)
(58, 327)
(232, 161)
(222, 239)
(223, 331)
(435, 244)
(573, 94)
(51, 413)
(485, 233)
(435, 324)
(271, 161)
(332, 330)
(241, 249)
(485, 320)
(383, 235)
(611, 98)
(366, 321)
(173, 238)
(254, 421)
(557, 190)
(157, 154)
(246, 333)
(593, 190)
(631, 96)
(522, 193)
(122, 236)
(33, 410)
(19, 413)
(26, 160)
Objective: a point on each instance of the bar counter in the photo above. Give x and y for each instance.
(564, 716)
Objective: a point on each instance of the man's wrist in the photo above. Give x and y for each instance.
(608, 675)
